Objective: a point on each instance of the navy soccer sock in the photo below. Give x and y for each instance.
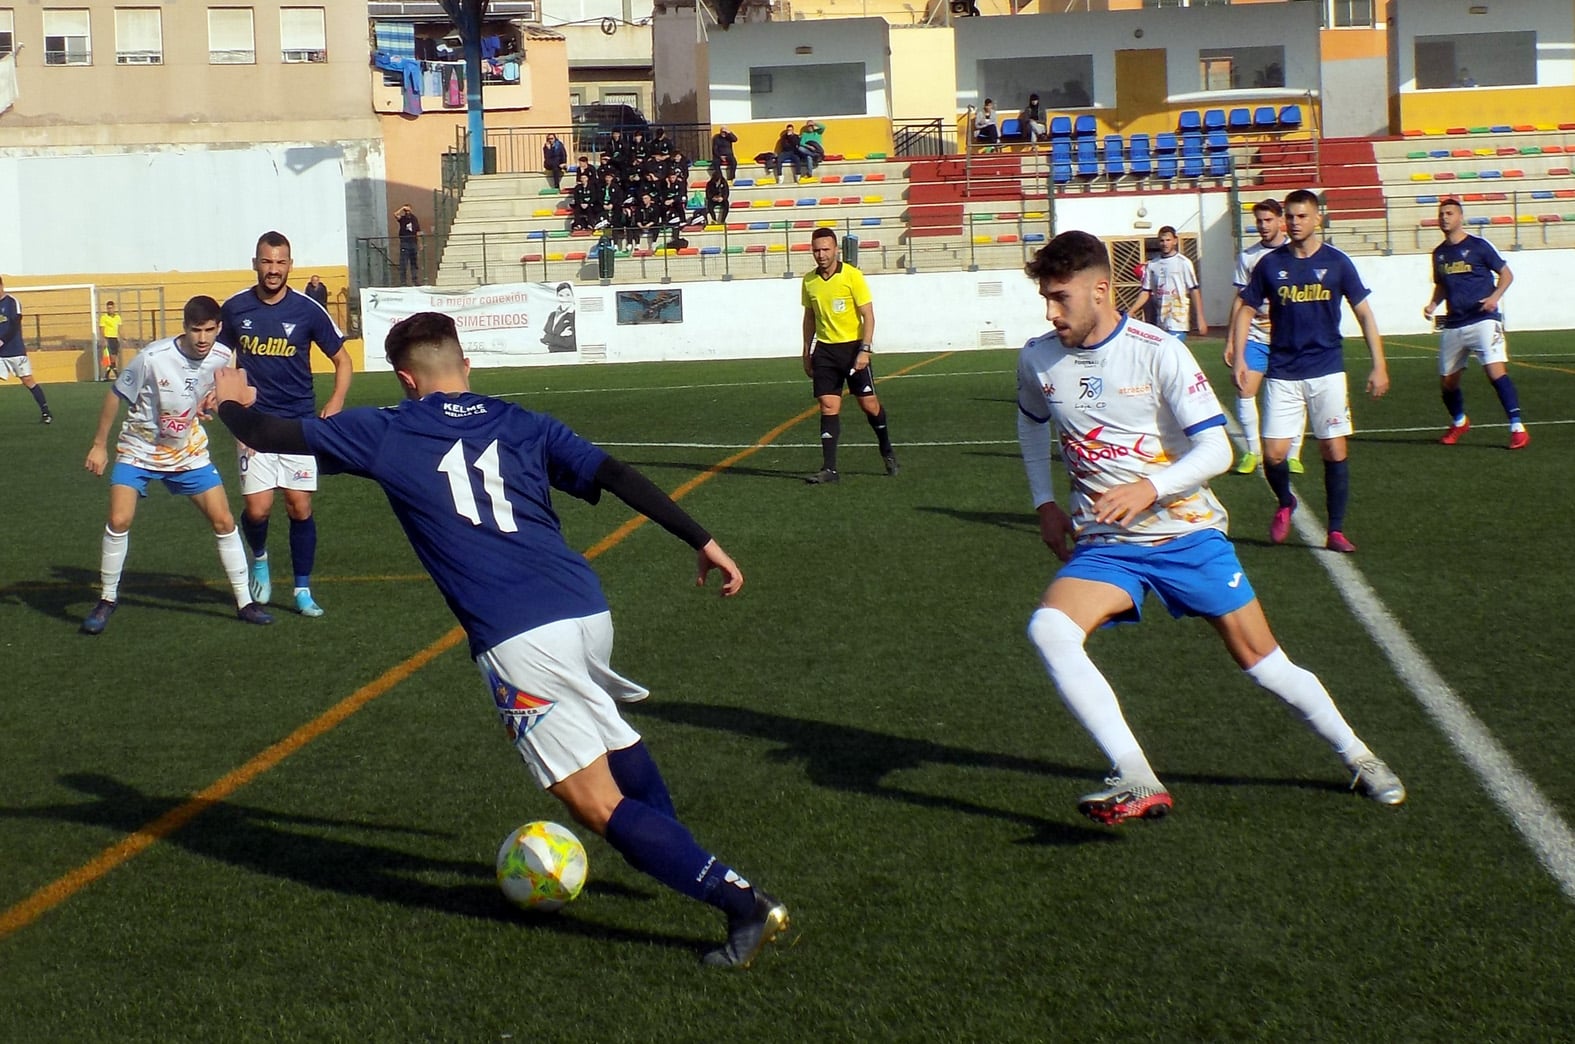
(256, 534)
(1455, 403)
(635, 772)
(303, 549)
(1279, 476)
(660, 846)
(830, 431)
(38, 397)
(1509, 397)
(1337, 489)
(878, 422)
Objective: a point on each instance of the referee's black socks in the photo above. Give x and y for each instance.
(830, 431)
(878, 422)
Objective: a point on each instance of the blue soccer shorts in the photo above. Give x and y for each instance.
(186, 483)
(1194, 575)
(1257, 356)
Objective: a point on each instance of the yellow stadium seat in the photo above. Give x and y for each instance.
(1421, 176)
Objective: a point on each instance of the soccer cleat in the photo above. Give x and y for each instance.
(254, 613)
(1519, 439)
(1247, 464)
(1121, 801)
(46, 418)
(891, 464)
(1296, 466)
(1338, 542)
(1377, 781)
(747, 936)
(98, 619)
(1280, 528)
(304, 603)
(1455, 432)
(260, 585)
(824, 477)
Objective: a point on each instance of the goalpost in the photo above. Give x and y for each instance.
(62, 317)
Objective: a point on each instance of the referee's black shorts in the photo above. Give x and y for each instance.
(833, 363)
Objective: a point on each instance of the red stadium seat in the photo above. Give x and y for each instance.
(577, 255)
(1462, 153)
(1514, 172)
(1501, 219)
(1558, 172)
(1444, 175)
(1548, 219)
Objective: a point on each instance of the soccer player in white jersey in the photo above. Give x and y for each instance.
(1268, 216)
(1172, 283)
(162, 440)
(1471, 277)
(1304, 282)
(1141, 434)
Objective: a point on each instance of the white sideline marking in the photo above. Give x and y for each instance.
(1511, 789)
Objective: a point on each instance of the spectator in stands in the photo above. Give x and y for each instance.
(317, 290)
(585, 204)
(985, 132)
(617, 151)
(722, 156)
(621, 222)
(717, 192)
(409, 236)
(680, 163)
(583, 165)
(554, 157)
(787, 152)
(809, 145)
(1465, 79)
(648, 218)
(1032, 119)
(639, 150)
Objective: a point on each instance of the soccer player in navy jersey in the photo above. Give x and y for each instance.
(470, 480)
(272, 328)
(1141, 433)
(1471, 277)
(1304, 282)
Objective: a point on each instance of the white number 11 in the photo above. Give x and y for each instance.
(453, 465)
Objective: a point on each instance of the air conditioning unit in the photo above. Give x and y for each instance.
(139, 59)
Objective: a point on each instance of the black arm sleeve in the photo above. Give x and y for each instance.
(262, 431)
(640, 493)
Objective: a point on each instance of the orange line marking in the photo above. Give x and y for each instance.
(58, 891)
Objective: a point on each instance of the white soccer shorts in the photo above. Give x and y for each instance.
(557, 696)
(15, 366)
(1288, 406)
(264, 471)
(1482, 341)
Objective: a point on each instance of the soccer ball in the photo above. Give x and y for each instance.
(541, 866)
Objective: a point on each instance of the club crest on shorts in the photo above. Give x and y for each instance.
(518, 710)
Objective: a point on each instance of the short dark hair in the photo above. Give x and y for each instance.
(274, 239)
(1268, 206)
(421, 330)
(1066, 255)
(199, 310)
(1167, 228)
(823, 233)
(1301, 196)
(1451, 201)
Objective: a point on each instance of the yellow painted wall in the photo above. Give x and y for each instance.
(845, 136)
(1439, 110)
(65, 367)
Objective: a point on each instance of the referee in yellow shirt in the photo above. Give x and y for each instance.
(839, 326)
(109, 326)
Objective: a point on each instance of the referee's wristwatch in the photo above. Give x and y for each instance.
(865, 349)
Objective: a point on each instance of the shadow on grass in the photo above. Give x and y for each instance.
(317, 852)
(1001, 519)
(72, 591)
(790, 474)
(846, 758)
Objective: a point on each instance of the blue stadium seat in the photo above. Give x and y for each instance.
(1427, 199)
(1542, 194)
(1165, 165)
(1439, 154)
(1192, 145)
(1061, 161)
(1164, 142)
(1115, 163)
(1219, 164)
(1192, 166)
(1033, 237)
(1060, 126)
(1217, 141)
(1477, 220)
(1501, 128)
(1141, 160)
(747, 182)
(1087, 158)
(1290, 117)
(869, 221)
(1213, 120)
(1086, 127)
(708, 251)
(1189, 121)
(1490, 174)
(847, 179)
(1241, 120)
(1264, 118)
(1011, 129)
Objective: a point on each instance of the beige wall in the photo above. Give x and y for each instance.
(186, 98)
(923, 74)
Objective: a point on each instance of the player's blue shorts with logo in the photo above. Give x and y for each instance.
(1194, 575)
(186, 483)
(1257, 356)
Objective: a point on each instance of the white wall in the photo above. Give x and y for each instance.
(1553, 21)
(178, 208)
(735, 52)
(1102, 33)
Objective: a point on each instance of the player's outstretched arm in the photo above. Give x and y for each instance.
(633, 488)
(258, 430)
(98, 453)
(713, 557)
(1378, 381)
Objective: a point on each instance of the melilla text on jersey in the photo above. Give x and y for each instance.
(1304, 293)
(251, 344)
(1457, 267)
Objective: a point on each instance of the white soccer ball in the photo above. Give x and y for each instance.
(541, 866)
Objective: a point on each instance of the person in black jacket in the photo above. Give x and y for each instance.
(554, 157)
(717, 192)
(722, 157)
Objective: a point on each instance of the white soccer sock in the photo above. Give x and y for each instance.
(232, 555)
(1085, 691)
(111, 561)
(1304, 693)
(1247, 417)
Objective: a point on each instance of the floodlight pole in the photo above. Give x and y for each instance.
(468, 16)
